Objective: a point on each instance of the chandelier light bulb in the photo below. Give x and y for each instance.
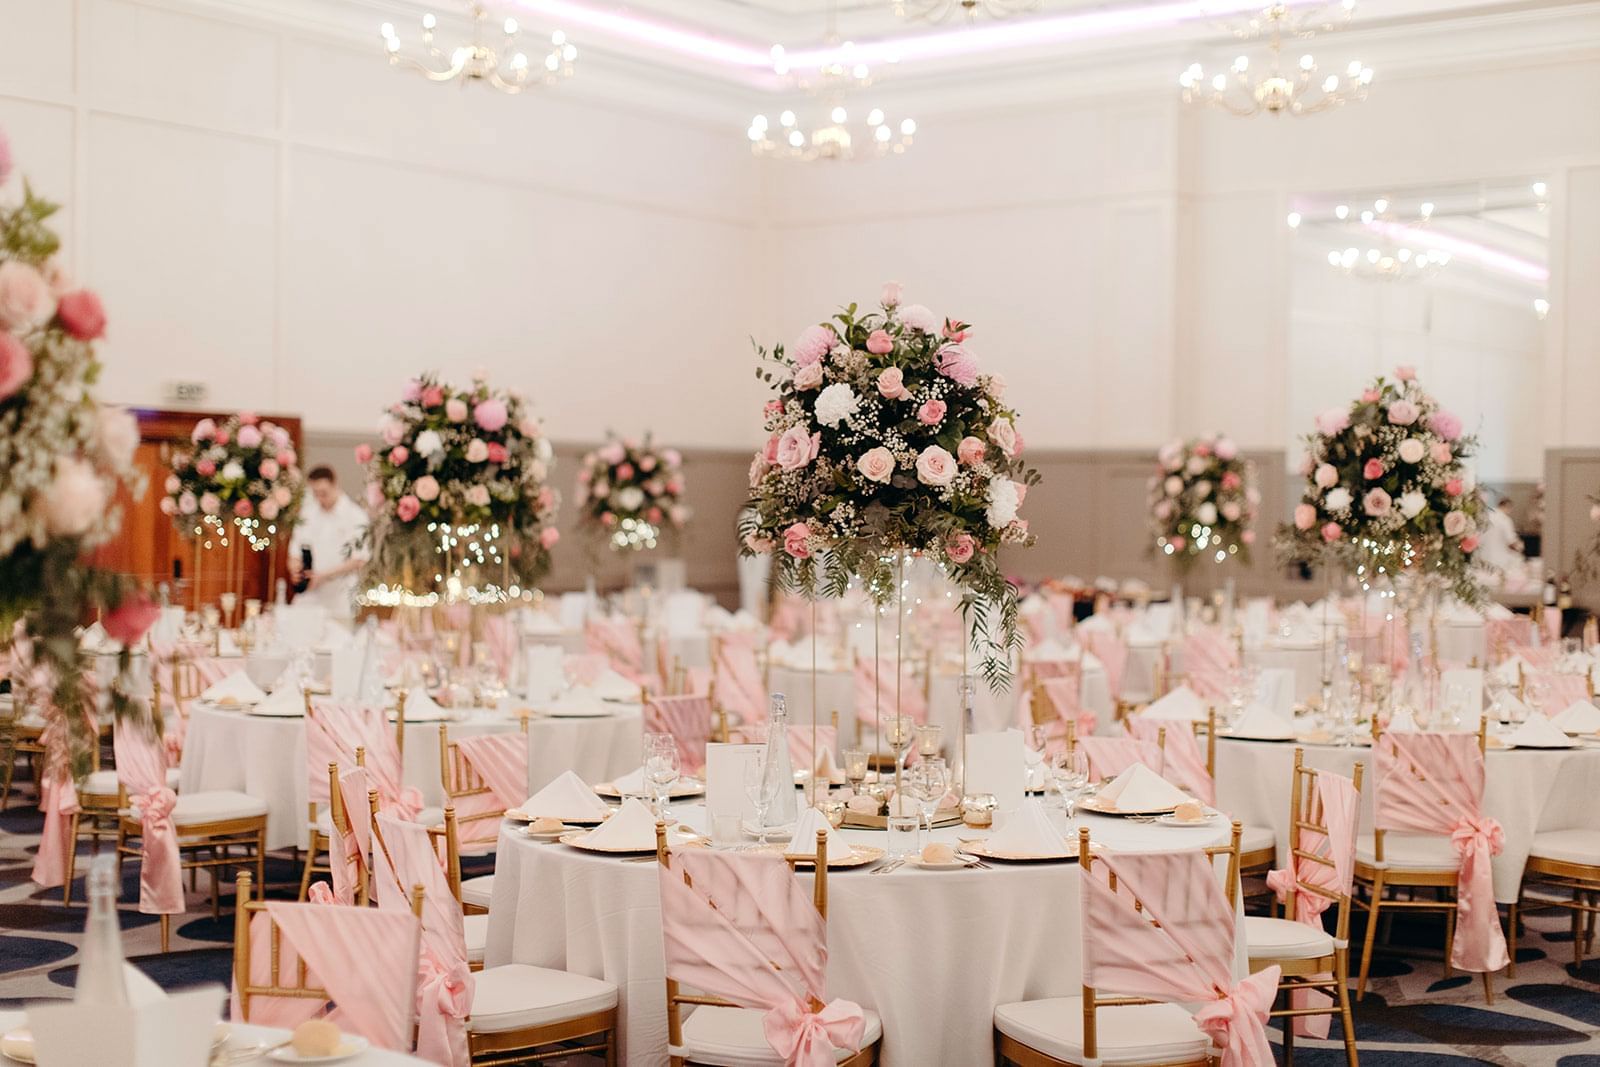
(558, 38)
(838, 114)
(1367, 216)
(429, 21)
(882, 133)
(1404, 255)
(392, 45)
(519, 61)
(569, 52)
(1219, 83)
(1333, 259)
(1540, 188)
(787, 118)
(875, 117)
(482, 57)
(511, 27)
(1541, 306)
(387, 29)
(1241, 64)
(796, 138)
(908, 127)
(1427, 209)
(1341, 212)
(1380, 205)
(1294, 219)
(1307, 63)
(860, 72)
(759, 123)
(1330, 84)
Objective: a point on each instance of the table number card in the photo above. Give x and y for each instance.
(995, 766)
(175, 1031)
(725, 792)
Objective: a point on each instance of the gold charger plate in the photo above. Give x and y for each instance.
(855, 820)
(860, 856)
(679, 790)
(1117, 813)
(576, 841)
(982, 850)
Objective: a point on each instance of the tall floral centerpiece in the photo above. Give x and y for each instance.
(886, 438)
(63, 459)
(460, 496)
(630, 493)
(234, 484)
(1203, 501)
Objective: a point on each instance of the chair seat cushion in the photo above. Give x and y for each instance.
(215, 804)
(1256, 839)
(733, 1037)
(477, 890)
(1568, 846)
(430, 817)
(101, 784)
(477, 931)
(1284, 939)
(1431, 853)
(516, 997)
(1129, 1034)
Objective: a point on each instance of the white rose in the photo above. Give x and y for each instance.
(1174, 485)
(544, 450)
(1206, 513)
(630, 498)
(232, 471)
(1326, 476)
(1338, 499)
(1412, 450)
(1456, 525)
(1231, 511)
(428, 443)
(1412, 503)
(836, 403)
(119, 436)
(1196, 464)
(936, 467)
(75, 499)
(1002, 502)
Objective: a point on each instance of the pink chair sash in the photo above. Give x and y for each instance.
(58, 798)
(500, 635)
(142, 768)
(1208, 657)
(1179, 948)
(800, 754)
(1505, 633)
(348, 851)
(1112, 652)
(335, 731)
(687, 719)
(737, 678)
(746, 931)
(1560, 690)
(501, 760)
(1065, 695)
(618, 641)
(1338, 809)
(1183, 764)
(444, 979)
(1110, 756)
(912, 700)
(1447, 798)
(1539, 657)
(363, 957)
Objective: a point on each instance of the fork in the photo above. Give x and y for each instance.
(887, 867)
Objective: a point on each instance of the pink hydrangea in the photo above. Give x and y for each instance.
(1446, 424)
(813, 344)
(490, 415)
(957, 364)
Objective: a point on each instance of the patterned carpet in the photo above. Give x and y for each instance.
(1411, 1017)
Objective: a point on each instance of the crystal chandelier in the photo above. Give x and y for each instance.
(1278, 90)
(831, 134)
(942, 10)
(501, 63)
(1384, 260)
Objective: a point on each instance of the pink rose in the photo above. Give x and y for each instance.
(970, 451)
(794, 541)
(876, 465)
(222, 437)
(1004, 435)
(960, 547)
(1455, 523)
(672, 457)
(283, 496)
(407, 508)
(1376, 503)
(83, 315)
(363, 454)
(1248, 537)
(1326, 476)
(205, 468)
(210, 503)
(1370, 396)
(25, 297)
(1332, 421)
(1469, 544)
(957, 364)
(654, 515)
(1331, 532)
(374, 495)
(1231, 481)
(287, 457)
(625, 473)
(608, 519)
(167, 506)
(1446, 424)
(1307, 463)
(647, 463)
(172, 484)
(1439, 452)
(1405, 372)
(1226, 449)
(1454, 487)
(548, 537)
(187, 504)
(478, 496)
(490, 415)
(497, 452)
(249, 437)
(455, 409)
(546, 498)
(675, 486)
(204, 430)
(477, 450)
(955, 331)
(269, 509)
(935, 467)
(758, 469)
(1373, 470)
(412, 392)
(432, 396)
(612, 453)
(1202, 449)
(1022, 492)
(243, 508)
(529, 426)
(808, 376)
(1402, 413)
(796, 448)
(813, 343)
(931, 413)
(892, 384)
(889, 297)
(879, 343)
(1305, 516)
(269, 469)
(16, 365)
(426, 488)
(131, 618)
(399, 454)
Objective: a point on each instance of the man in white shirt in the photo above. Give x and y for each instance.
(1499, 546)
(329, 525)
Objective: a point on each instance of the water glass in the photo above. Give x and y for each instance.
(1069, 772)
(905, 833)
(762, 791)
(855, 767)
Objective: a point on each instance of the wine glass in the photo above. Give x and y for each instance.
(229, 600)
(761, 790)
(855, 768)
(1035, 739)
(1069, 772)
(661, 770)
(929, 782)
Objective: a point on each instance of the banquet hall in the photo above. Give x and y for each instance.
(799, 532)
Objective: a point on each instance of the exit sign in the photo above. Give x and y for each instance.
(186, 392)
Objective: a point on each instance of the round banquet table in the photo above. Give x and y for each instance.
(243, 1036)
(932, 952)
(600, 749)
(1527, 790)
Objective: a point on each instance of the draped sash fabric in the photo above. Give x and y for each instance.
(618, 641)
(334, 733)
(348, 849)
(1112, 652)
(1110, 756)
(913, 702)
(501, 760)
(1183, 764)
(736, 678)
(142, 768)
(800, 752)
(1208, 658)
(687, 719)
(1561, 689)
(1065, 695)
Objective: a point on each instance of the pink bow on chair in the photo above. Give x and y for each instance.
(160, 874)
(444, 1000)
(1237, 1022)
(807, 1038)
(1479, 942)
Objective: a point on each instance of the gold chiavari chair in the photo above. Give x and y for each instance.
(316, 833)
(461, 782)
(1309, 958)
(1565, 864)
(677, 998)
(1164, 1034)
(447, 847)
(1429, 862)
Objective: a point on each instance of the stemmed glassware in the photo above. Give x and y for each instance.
(855, 768)
(900, 732)
(928, 782)
(229, 600)
(1035, 740)
(1069, 772)
(762, 791)
(661, 769)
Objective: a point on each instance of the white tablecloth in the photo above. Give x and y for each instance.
(598, 750)
(1529, 791)
(242, 1037)
(933, 952)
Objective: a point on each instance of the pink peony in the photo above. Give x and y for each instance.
(794, 541)
(1439, 452)
(796, 448)
(1331, 532)
(931, 413)
(426, 488)
(249, 437)
(455, 409)
(1305, 516)
(399, 454)
(269, 509)
(1231, 480)
(1332, 421)
(83, 315)
(892, 384)
(16, 365)
(813, 343)
(1469, 544)
(957, 364)
(1376, 503)
(1370, 396)
(1226, 449)
(1454, 487)
(490, 415)
(25, 297)
(75, 498)
(1405, 372)
(407, 508)
(131, 618)
(876, 465)
(960, 547)
(971, 450)
(269, 469)
(204, 430)
(808, 376)
(879, 343)
(889, 297)
(497, 452)
(1373, 470)
(243, 508)
(205, 468)
(625, 473)
(432, 396)
(1004, 435)
(412, 392)
(1455, 523)
(477, 450)
(935, 467)
(548, 537)
(363, 454)
(1446, 424)
(1402, 413)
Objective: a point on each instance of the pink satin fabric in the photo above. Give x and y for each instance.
(737, 678)
(1065, 695)
(1506, 633)
(1208, 657)
(1561, 690)
(1178, 949)
(746, 930)
(58, 799)
(618, 641)
(1110, 756)
(444, 979)
(142, 768)
(335, 731)
(501, 760)
(1112, 652)
(348, 850)
(800, 753)
(1432, 783)
(688, 720)
(868, 707)
(500, 635)
(1182, 762)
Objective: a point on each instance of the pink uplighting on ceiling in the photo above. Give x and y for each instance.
(1482, 255)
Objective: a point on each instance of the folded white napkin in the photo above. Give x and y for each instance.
(1183, 704)
(579, 702)
(804, 841)
(1263, 723)
(421, 707)
(1402, 722)
(94, 638)
(1028, 832)
(1539, 732)
(235, 687)
(285, 700)
(1581, 717)
(568, 797)
(1508, 707)
(613, 686)
(1140, 789)
(1506, 672)
(632, 827)
(633, 784)
(826, 768)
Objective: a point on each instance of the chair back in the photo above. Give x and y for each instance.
(874, 699)
(618, 640)
(142, 775)
(1112, 652)
(736, 674)
(801, 755)
(1182, 762)
(1060, 700)
(1208, 658)
(1110, 756)
(334, 733)
(482, 776)
(348, 843)
(1324, 817)
(688, 720)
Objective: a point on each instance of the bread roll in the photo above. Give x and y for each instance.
(316, 1037)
